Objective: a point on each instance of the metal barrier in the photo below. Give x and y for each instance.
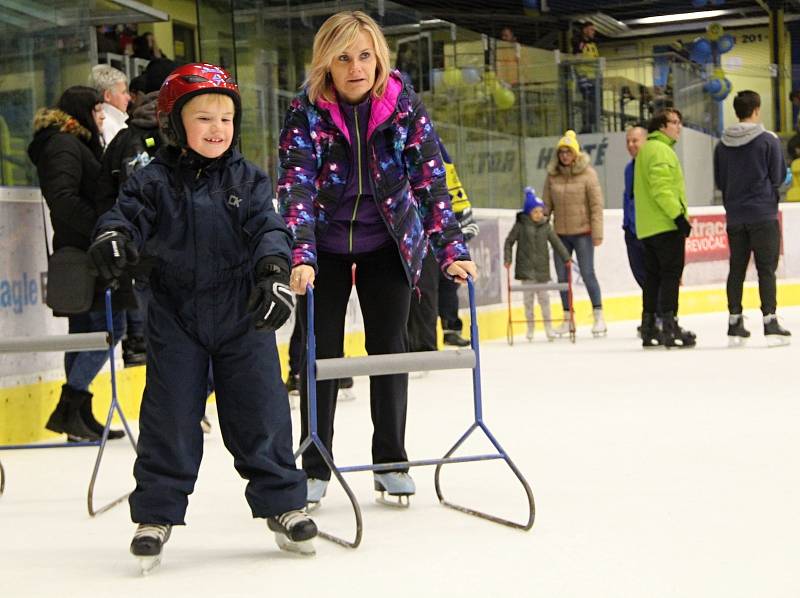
(540, 286)
(86, 341)
(329, 369)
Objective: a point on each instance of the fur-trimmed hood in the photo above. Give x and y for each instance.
(50, 121)
(578, 166)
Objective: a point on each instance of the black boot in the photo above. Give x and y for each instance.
(88, 418)
(651, 335)
(66, 419)
(134, 351)
(674, 335)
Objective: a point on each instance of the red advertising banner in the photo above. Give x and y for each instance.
(709, 239)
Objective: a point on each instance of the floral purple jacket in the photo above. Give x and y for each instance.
(406, 171)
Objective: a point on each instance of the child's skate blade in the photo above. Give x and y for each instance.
(148, 563)
(304, 547)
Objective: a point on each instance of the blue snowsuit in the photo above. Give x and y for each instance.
(203, 227)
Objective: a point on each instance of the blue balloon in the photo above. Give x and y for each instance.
(726, 43)
(713, 86)
(699, 3)
(701, 50)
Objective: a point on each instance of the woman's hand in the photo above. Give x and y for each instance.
(597, 242)
(302, 276)
(461, 269)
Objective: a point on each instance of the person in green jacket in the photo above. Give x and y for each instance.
(662, 225)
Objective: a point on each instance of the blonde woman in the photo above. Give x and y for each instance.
(572, 195)
(361, 182)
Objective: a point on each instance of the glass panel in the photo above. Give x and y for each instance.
(44, 48)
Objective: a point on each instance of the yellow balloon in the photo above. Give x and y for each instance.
(452, 77)
(503, 98)
(715, 31)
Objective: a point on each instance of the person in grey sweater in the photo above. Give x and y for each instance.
(531, 232)
(748, 168)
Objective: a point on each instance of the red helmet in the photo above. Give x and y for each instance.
(188, 81)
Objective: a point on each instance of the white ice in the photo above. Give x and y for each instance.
(656, 473)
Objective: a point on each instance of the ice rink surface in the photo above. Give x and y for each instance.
(655, 474)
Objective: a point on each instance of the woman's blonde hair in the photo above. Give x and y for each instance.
(335, 35)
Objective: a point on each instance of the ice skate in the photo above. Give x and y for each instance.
(548, 331)
(148, 543)
(454, 339)
(674, 335)
(396, 484)
(294, 532)
(776, 335)
(205, 425)
(563, 329)
(346, 390)
(529, 333)
(599, 325)
(315, 491)
(737, 333)
(650, 333)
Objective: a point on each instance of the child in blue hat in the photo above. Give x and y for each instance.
(532, 232)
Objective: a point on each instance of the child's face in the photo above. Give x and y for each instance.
(208, 121)
(537, 214)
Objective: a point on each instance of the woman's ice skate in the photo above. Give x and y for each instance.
(599, 325)
(315, 491)
(397, 484)
(294, 532)
(148, 543)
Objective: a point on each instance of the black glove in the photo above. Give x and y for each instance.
(111, 252)
(683, 225)
(469, 228)
(271, 301)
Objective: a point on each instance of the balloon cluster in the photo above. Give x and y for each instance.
(453, 78)
(702, 3)
(707, 52)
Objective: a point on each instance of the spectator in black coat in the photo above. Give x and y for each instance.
(66, 150)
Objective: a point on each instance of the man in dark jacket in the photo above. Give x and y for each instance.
(748, 169)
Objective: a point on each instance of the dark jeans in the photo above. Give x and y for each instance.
(422, 312)
(763, 240)
(664, 256)
(448, 304)
(384, 295)
(584, 250)
(81, 367)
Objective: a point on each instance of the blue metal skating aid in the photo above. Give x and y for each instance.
(330, 369)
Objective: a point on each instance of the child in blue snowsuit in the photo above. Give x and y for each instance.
(218, 288)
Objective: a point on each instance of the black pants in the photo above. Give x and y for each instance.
(422, 313)
(763, 240)
(664, 256)
(384, 295)
(448, 304)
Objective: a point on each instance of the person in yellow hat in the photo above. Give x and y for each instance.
(572, 195)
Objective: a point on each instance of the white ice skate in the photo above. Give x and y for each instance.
(599, 328)
(346, 390)
(776, 335)
(529, 333)
(315, 491)
(294, 532)
(396, 484)
(147, 544)
(562, 330)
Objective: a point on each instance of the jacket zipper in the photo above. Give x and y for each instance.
(360, 190)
